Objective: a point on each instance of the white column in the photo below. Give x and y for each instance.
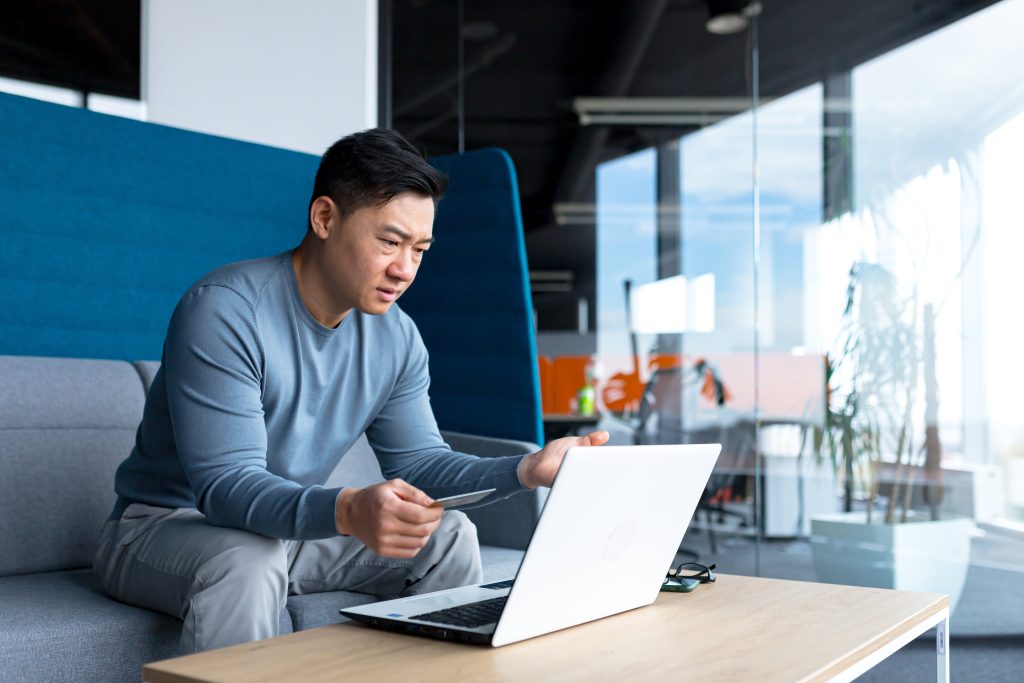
(297, 75)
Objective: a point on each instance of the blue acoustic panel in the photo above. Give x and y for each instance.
(471, 303)
(105, 222)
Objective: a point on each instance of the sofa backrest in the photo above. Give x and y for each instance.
(65, 426)
(471, 302)
(136, 212)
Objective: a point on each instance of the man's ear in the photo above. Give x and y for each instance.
(320, 213)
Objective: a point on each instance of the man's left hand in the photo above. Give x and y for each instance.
(540, 468)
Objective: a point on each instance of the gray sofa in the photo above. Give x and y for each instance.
(65, 425)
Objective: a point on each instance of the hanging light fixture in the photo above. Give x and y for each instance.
(730, 16)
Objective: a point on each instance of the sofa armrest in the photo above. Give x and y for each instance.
(508, 523)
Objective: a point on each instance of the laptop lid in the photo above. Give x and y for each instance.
(609, 531)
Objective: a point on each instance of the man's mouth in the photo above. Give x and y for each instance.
(387, 293)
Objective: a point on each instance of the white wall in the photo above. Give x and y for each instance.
(297, 74)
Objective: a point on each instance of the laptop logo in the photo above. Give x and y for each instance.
(393, 614)
(620, 539)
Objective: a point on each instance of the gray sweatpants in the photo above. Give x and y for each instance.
(229, 586)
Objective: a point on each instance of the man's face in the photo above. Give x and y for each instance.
(373, 253)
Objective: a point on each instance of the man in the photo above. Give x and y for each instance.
(271, 370)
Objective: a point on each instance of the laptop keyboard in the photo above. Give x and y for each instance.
(467, 616)
(498, 585)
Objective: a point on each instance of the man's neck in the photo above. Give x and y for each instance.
(311, 290)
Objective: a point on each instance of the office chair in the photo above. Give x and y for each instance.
(661, 418)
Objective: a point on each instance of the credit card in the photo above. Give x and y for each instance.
(462, 499)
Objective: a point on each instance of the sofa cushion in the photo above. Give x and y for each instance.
(319, 609)
(500, 563)
(147, 370)
(65, 425)
(61, 627)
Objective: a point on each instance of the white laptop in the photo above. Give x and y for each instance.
(608, 533)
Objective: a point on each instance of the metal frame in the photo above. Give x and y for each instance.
(939, 620)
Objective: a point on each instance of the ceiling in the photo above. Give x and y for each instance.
(524, 63)
(521, 79)
(87, 45)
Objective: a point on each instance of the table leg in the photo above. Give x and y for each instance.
(942, 650)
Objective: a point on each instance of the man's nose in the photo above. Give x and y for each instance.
(403, 267)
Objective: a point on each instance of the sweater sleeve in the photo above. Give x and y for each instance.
(405, 437)
(213, 367)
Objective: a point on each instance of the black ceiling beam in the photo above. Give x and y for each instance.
(639, 22)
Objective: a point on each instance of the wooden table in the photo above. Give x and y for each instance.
(737, 629)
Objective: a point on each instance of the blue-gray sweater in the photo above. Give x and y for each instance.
(256, 402)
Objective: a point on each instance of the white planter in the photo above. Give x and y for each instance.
(919, 555)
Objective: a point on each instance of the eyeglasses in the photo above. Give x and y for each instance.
(704, 573)
(684, 579)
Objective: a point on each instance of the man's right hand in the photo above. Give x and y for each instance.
(391, 518)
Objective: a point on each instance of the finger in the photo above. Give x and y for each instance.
(404, 542)
(598, 438)
(413, 513)
(407, 491)
(434, 525)
(411, 530)
(397, 553)
(401, 546)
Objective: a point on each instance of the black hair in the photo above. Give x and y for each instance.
(372, 167)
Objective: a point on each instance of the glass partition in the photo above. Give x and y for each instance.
(626, 223)
(909, 306)
(823, 283)
(870, 433)
(675, 359)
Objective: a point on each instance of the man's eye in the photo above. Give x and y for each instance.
(390, 243)
(421, 252)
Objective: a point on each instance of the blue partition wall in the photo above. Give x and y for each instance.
(471, 302)
(104, 222)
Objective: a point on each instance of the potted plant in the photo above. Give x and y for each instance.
(885, 352)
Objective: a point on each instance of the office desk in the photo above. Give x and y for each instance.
(557, 425)
(737, 629)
